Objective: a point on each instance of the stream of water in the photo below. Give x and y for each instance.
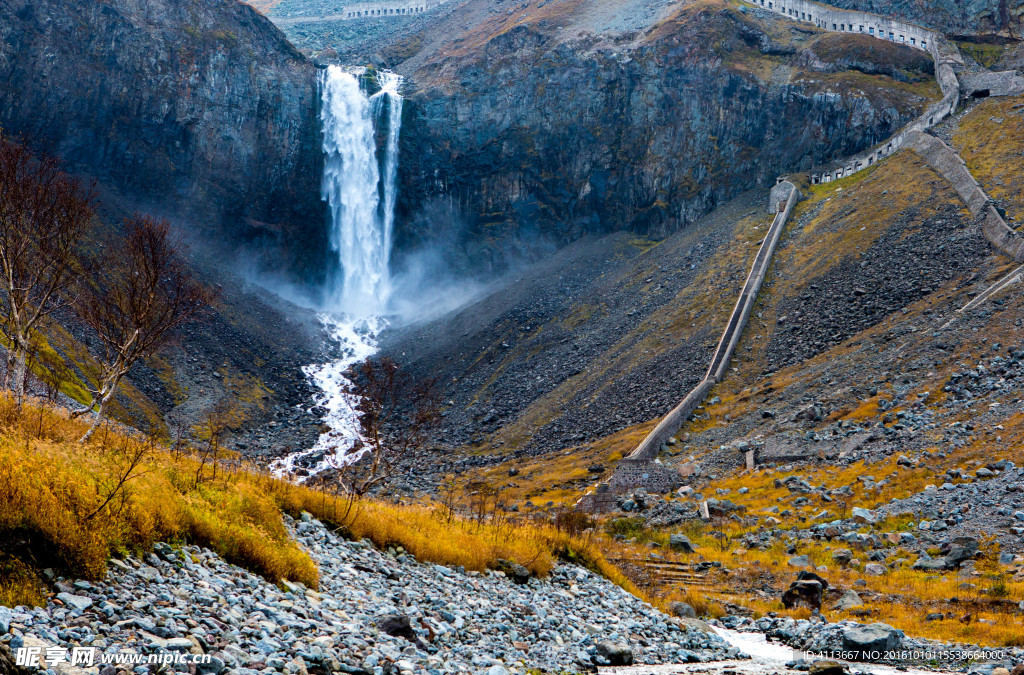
(360, 189)
(766, 658)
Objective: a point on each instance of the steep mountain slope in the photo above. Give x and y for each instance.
(889, 382)
(850, 329)
(198, 108)
(610, 333)
(551, 359)
(855, 348)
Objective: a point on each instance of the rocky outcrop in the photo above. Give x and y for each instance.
(534, 137)
(201, 109)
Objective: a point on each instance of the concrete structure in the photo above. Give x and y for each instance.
(779, 195)
(365, 10)
(980, 85)
(639, 468)
(950, 166)
(1011, 279)
(630, 473)
(650, 446)
(900, 32)
(850, 21)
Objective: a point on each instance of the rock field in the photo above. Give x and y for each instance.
(376, 613)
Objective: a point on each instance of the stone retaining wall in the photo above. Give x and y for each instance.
(639, 469)
(850, 21)
(393, 8)
(365, 10)
(950, 166)
(630, 474)
(670, 424)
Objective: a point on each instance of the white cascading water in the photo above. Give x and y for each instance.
(360, 189)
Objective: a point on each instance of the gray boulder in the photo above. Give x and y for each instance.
(211, 667)
(864, 516)
(397, 625)
(514, 571)
(680, 542)
(682, 609)
(806, 592)
(800, 561)
(616, 653)
(850, 600)
(178, 644)
(867, 643)
(79, 602)
(843, 556)
(930, 565)
(963, 549)
(823, 667)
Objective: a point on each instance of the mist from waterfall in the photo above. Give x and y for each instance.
(360, 189)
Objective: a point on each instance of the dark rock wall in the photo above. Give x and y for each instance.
(200, 107)
(533, 140)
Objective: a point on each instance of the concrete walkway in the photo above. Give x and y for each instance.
(670, 424)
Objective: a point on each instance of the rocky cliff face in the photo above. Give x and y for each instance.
(200, 108)
(530, 127)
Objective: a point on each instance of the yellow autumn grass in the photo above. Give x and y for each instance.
(980, 608)
(57, 513)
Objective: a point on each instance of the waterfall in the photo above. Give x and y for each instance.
(388, 98)
(360, 188)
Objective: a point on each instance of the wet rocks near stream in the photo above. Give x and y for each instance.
(865, 642)
(375, 613)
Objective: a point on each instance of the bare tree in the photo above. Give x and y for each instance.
(396, 414)
(44, 213)
(136, 295)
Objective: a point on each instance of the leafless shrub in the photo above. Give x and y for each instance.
(129, 456)
(396, 414)
(573, 522)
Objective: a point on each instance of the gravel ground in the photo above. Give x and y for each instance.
(951, 508)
